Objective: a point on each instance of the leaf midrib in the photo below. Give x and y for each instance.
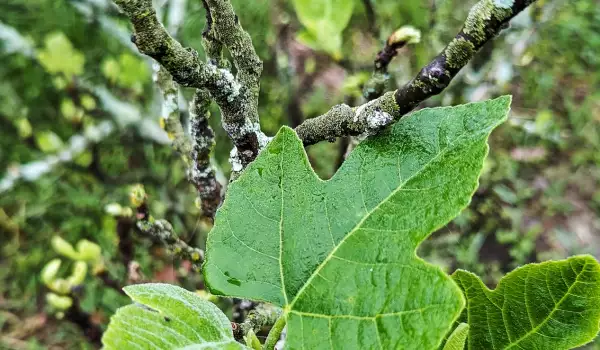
(367, 215)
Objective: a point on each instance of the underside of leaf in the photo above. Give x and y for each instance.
(168, 317)
(553, 305)
(339, 255)
(458, 338)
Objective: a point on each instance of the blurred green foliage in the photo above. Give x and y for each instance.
(539, 197)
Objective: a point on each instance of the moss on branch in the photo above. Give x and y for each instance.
(226, 28)
(242, 121)
(343, 120)
(236, 97)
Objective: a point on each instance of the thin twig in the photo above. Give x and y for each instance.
(161, 231)
(377, 85)
(82, 319)
(125, 247)
(201, 173)
(110, 282)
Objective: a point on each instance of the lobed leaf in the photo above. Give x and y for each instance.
(339, 255)
(552, 305)
(168, 317)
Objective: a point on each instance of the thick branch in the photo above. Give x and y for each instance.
(227, 29)
(170, 113)
(152, 39)
(212, 46)
(241, 123)
(237, 98)
(484, 22)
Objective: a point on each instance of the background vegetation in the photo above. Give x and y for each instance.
(79, 123)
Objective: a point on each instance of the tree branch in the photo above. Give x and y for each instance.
(237, 98)
(201, 173)
(377, 85)
(125, 247)
(226, 28)
(170, 113)
(242, 123)
(485, 20)
(161, 230)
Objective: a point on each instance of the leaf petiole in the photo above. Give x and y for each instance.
(275, 332)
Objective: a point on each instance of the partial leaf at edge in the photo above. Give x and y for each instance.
(458, 338)
(339, 255)
(324, 21)
(168, 317)
(553, 305)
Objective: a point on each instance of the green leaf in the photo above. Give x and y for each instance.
(59, 56)
(48, 142)
(324, 21)
(457, 339)
(168, 317)
(339, 255)
(552, 305)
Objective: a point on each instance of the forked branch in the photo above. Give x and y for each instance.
(237, 97)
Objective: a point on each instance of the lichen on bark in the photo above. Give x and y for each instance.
(237, 97)
(201, 173)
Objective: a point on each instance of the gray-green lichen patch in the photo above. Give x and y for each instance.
(481, 13)
(375, 115)
(226, 87)
(377, 120)
(459, 52)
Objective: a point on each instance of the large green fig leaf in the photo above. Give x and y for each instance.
(339, 255)
(553, 305)
(168, 317)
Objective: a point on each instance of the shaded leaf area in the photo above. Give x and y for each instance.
(552, 305)
(339, 255)
(168, 317)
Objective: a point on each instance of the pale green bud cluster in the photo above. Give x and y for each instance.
(84, 253)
